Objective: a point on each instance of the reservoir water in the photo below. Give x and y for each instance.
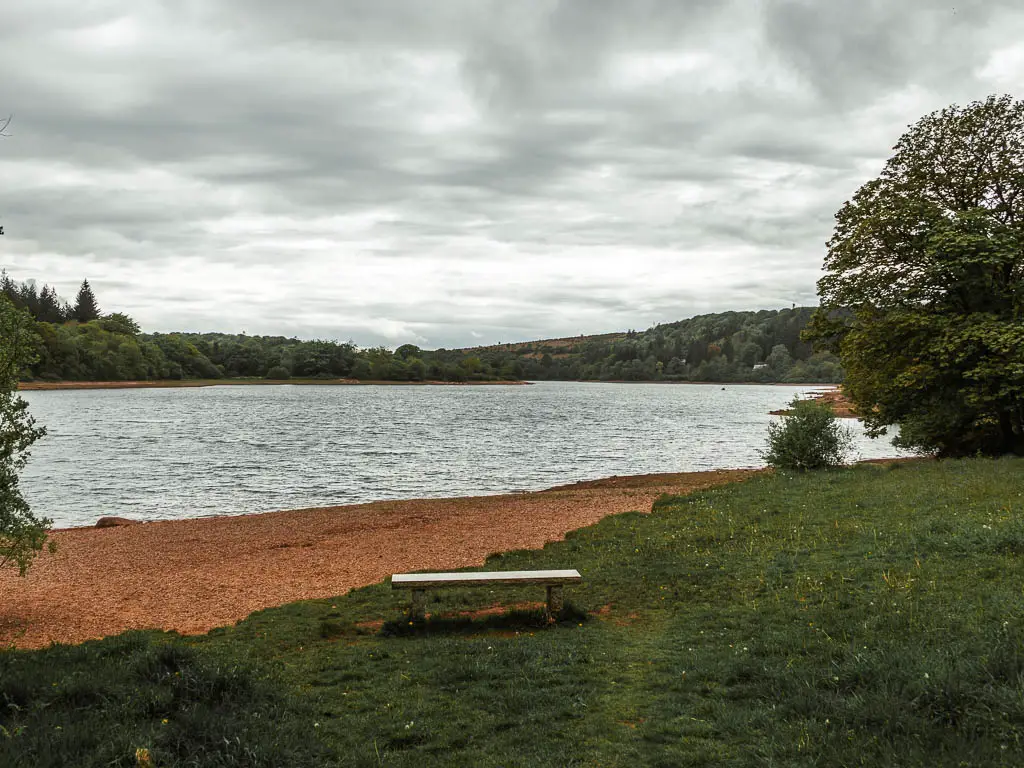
(172, 453)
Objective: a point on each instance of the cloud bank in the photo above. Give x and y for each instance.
(459, 172)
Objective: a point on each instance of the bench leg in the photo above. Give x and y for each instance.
(554, 600)
(419, 604)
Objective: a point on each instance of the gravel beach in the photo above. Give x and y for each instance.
(193, 575)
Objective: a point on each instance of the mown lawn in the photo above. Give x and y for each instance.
(869, 616)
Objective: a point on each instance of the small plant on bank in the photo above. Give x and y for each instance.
(809, 437)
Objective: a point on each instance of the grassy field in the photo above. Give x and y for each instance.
(870, 616)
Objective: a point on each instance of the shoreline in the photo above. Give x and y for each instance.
(192, 575)
(819, 384)
(40, 386)
(53, 386)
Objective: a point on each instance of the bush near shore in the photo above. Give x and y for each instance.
(861, 616)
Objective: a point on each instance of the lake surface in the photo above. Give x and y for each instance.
(172, 453)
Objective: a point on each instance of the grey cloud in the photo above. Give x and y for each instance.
(458, 172)
(852, 51)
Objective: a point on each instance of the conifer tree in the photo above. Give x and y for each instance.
(86, 309)
(30, 298)
(8, 287)
(50, 309)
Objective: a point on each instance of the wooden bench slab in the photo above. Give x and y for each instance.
(480, 578)
(419, 583)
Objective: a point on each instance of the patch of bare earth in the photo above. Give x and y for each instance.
(193, 575)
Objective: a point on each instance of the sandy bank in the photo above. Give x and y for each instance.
(193, 575)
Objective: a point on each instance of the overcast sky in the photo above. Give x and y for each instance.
(455, 172)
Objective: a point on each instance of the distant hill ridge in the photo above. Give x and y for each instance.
(753, 346)
(81, 344)
(566, 342)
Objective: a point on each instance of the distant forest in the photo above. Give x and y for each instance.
(761, 346)
(77, 342)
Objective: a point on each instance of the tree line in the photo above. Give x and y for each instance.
(46, 306)
(76, 342)
(763, 346)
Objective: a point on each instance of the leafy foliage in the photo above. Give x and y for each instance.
(111, 348)
(22, 534)
(929, 259)
(809, 437)
(728, 346)
(118, 322)
(279, 373)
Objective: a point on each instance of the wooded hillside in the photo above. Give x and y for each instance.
(726, 346)
(79, 343)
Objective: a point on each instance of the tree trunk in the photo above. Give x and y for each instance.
(1012, 434)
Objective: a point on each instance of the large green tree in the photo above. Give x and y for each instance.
(923, 296)
(22, 534)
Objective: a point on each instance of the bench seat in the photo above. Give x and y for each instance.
(420, 582)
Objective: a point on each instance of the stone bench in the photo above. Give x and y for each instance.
(419, 583)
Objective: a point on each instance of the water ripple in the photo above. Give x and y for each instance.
(173, 453)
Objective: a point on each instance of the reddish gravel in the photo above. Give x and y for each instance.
(841, 405)
(193, 575)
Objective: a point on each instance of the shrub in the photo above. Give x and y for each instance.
(810, 437)
(278, 372)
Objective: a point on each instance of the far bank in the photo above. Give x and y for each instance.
(40, 386)
(29, 386)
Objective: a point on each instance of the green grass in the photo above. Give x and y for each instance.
(868, 616)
